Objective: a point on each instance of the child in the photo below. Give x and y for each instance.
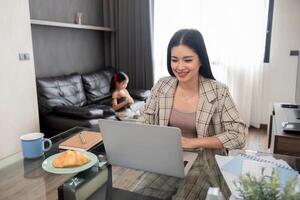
(120, 96)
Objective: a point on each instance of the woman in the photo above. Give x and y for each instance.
(192, 100)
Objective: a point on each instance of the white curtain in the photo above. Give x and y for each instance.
(234, 33)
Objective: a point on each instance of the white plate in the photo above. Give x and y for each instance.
(47, 164)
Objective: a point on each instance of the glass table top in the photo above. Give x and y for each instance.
(25, 179)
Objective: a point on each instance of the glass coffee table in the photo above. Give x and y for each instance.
(25, 179)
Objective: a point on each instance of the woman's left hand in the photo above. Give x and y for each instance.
(189, 143)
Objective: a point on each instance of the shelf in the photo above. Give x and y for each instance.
(68, 25)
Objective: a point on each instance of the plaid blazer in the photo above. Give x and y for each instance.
(216, 113)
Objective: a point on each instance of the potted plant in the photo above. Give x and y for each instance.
(266, 187)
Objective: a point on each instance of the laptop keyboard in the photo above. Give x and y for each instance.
(289, 106)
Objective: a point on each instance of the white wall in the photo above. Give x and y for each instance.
(279, 79)
(18, 99)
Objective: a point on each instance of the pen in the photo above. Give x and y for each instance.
(83, 141)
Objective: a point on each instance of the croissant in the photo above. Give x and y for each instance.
(70, 158)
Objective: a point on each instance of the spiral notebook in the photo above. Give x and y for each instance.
(244, 163)
(83, 140)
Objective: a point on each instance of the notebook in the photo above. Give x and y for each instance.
(83, 140)
(244, 163)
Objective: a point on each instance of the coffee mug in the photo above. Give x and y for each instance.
(33, 145)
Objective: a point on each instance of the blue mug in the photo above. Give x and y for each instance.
(33, 145)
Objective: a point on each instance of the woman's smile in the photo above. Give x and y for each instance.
(181, 74)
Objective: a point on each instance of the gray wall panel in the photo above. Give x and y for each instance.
(65, 10)
(60, 51)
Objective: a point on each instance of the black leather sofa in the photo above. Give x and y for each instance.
(77, 100)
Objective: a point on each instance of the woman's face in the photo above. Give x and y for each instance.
(185, 63)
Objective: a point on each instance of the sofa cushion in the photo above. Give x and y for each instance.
(58, 91)
(63, 123)
(85, 112)
(97, 84)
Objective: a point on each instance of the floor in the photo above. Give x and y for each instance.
(257, 139)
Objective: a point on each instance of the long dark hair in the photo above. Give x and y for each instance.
(194, 40)
(118, 77)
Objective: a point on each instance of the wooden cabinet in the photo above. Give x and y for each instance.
(281, 142)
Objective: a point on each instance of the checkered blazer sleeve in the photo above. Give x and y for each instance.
(234, 136)
(149, 112)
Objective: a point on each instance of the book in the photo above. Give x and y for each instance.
(83, 140)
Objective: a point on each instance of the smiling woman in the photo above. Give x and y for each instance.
(192, 100)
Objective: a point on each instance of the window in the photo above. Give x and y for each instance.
(269, 32)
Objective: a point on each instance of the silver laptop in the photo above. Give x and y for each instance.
(146, 147)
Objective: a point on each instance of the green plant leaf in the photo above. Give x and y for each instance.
(266, 187)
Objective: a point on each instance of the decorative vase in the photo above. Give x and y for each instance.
(78, 18)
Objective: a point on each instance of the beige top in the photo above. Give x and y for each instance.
(185, 121)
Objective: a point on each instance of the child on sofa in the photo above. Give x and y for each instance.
(120, 96)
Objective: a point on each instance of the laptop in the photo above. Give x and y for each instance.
(297, 113)
(290, 118)
(291, 127)
(146, 147)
